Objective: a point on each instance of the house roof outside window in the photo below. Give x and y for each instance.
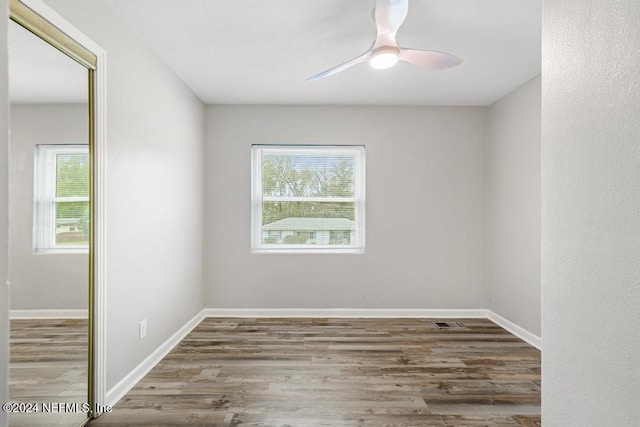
(311, 224)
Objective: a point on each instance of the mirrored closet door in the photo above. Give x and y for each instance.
(49, 167)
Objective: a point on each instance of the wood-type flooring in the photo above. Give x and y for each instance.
(48, 365)
(338, 372)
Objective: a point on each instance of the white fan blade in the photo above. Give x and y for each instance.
(390, 14)
(331, 71)
(429, 59)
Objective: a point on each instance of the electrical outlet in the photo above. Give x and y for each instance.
(142, 328)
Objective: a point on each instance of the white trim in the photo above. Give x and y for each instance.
(307, 249)
(100, 231)
(346, 312)
(257, 198)
(59, 251)
(481, 313)
(131, 379)
(118, 391)
(49, 314)
(516, 330)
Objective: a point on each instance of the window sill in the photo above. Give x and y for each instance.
(308, 251)
(65, 251)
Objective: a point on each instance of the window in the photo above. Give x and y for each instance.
(61, 198)
(308, 198)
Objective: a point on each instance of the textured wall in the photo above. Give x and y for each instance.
(513, 176)
(425, 209)
(155, 170)
(591, 213)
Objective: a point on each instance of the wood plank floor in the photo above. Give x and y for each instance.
(338, 372)
(48, 364)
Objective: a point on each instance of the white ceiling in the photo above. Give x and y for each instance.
(39, 73)
(261, 51)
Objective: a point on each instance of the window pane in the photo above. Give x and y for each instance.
(302, 175)
(72, 223)
(72, 175)
(308, 223)
(308, 199)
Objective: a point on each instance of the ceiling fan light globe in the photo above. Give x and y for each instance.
(383, 60)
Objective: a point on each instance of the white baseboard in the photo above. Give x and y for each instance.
(346, 312)
(516, 330)
(128, 382)
(49, 314)
(482, 313)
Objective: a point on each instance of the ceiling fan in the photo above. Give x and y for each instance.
(385, 52)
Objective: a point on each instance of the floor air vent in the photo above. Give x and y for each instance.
(448, 325)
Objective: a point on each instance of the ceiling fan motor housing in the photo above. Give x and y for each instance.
(384, 57)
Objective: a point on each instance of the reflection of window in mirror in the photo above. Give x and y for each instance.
(48, 212)
(61, 197)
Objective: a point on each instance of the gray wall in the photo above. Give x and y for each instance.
(4, 213)
(425, 218)
(591, 213)
(155, 183)
(590, 231)
(514, 207)
(45, 280)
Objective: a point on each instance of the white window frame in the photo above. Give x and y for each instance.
(257, 151)
(45, 200)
